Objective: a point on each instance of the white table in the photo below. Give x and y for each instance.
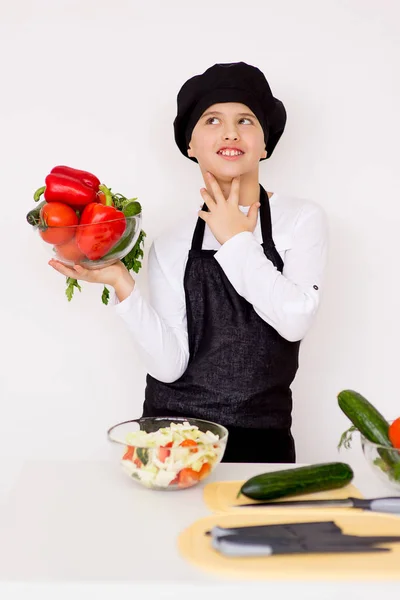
(85, 522)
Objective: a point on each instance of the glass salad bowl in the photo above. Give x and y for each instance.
(384, 461)
(168, 453)
(94, 245)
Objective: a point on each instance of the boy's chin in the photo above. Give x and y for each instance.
(226, 172)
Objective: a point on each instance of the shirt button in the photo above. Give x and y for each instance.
(315, 287)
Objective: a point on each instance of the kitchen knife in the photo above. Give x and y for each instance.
(284, 530)
(306, 537)
(390, 504)
(247, 547)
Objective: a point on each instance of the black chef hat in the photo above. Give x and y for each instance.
(230, 82)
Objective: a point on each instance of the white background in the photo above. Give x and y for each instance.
(92, 84)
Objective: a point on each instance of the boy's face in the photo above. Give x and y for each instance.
(228, 140)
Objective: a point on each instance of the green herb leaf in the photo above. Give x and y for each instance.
(132, 259)
(71, 285)
(346, 437)
(105, 295)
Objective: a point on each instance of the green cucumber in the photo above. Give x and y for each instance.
(369, 422)
(132, 208)
(297, 481)
(365, 417)
(143, 455)
(33, 216)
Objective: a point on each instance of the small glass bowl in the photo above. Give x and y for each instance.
(63, 242)
(165, 468)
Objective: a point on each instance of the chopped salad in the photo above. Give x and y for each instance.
(178, 455)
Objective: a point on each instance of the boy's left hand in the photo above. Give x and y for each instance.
(225, 219)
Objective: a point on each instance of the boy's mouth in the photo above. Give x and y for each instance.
(230, 153)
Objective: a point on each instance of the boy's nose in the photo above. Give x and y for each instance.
(231, 135)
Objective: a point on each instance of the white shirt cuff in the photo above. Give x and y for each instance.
(121, 308)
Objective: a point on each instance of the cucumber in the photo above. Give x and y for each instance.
(365, 417)
(143, 455)
(33, 216)
(297, 481)
(369, 422)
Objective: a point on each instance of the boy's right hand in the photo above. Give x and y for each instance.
(116, 275)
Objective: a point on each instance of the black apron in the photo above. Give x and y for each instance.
(240, 368)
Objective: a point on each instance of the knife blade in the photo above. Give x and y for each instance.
(282, 530)
(247, 547)
(390, 504)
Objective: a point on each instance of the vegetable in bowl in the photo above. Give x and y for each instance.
(380, 439)
(176, 454)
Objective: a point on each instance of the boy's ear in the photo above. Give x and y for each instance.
(264, 154)
(189, 151)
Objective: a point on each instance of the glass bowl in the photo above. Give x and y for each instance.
(384, 461)
(93, 246)
(158, 464)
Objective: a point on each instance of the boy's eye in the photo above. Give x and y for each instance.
(211, 120)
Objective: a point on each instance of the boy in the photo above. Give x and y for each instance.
(234, 288)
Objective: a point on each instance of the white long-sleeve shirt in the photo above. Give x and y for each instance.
(288, 301)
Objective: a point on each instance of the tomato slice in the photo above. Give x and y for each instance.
(129, 453)
(204, 471)
(394, 433)
(187, 477)
(189, 444)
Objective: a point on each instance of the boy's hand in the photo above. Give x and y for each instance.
(116, 275)
(225, 219)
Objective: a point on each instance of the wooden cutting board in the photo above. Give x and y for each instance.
(196, 547)
(221, 496)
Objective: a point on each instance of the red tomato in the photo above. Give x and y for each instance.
(129, 453)
(70, 251)
(204, 471)
(59, 220)
(164, 452)
(394, 433)
(190, 443)
(187, 477)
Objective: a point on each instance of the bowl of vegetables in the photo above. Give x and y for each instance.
(82, 222)
(92, 245)
(168, 453)
(380, 438)
(384, 461)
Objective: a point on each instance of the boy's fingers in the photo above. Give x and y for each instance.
(204, 215)
(207, 198)
(218, 195)
(74, 273)
(62, 269)
(234, 193)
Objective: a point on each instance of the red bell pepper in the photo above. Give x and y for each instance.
(87, 178)
(100, 227)
(71, 186)
(71, 191)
